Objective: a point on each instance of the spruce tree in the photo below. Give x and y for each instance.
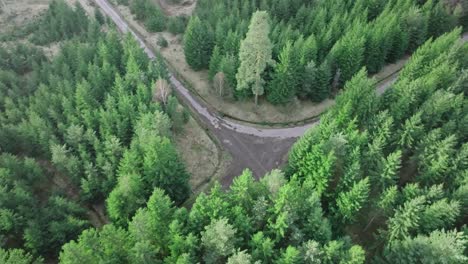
(215, 60)
(198, 44)
(323, 87)
(285, 77)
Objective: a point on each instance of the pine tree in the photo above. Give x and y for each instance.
(291, 256)
(255, 55)
(126, 198)
(240, 257)
(440, 215)
(18, 256)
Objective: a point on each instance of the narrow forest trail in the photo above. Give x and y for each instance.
(259, 149)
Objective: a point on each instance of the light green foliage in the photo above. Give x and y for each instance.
(218, 240)
(126, 198)
(317, 167)
(349, 203)
(262, 247)
(17, 256)
(291, 255)
(109, 244)
(406, 219)
(145, 226)
(438, 247)
(240, 257)
(356, 255)
(439, 215)
(274, 181)
(388, 199)
(255, 55)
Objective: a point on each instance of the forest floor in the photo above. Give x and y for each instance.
(202, 157)
(16, 13)
(185, 7)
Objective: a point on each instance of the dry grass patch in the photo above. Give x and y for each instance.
(16, 13)
(200, 154)
(184, 8)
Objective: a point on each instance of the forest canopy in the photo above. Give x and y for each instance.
(380, 179)
(87, 118)
(387, 171)
(317, 45)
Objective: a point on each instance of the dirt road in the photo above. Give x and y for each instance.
(260, 150)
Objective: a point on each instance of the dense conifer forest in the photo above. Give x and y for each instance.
(316, 46)
(381, 179)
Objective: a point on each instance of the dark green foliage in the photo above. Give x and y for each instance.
(88, 117)
(348, 55)
(345, 35)
(215, 62)
(149, 13)
(286, 76)
(60, 22)
(408, 144)
(20, 58)
(440, 20)
(198, 44)
(176, 25)
(228, 66)
(40, 222)
(162, 42)
(99, 16)
(18, 256)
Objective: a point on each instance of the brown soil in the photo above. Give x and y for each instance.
(185, 8)
(200, 154)
(19, 12)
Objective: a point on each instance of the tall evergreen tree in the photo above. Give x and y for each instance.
(198, 44)
(286, 76)
(255, 55)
